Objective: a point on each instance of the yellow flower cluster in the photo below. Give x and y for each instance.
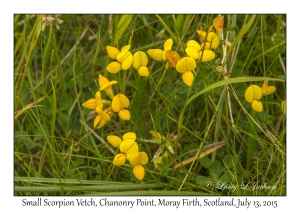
(254, 93)
(125, 60)
(195, 51)
(118, 104)
(167, 54)
(129, 151)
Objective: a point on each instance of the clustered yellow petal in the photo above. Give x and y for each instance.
(119, 104)
(116, 141)
(105, 85)
(129, 151)
(202, 35)
(96, 104)
(138, 160)
(124, 58)
(101, 119)
(103, 115)
(140, 62)
(203, 51)
(185, 66)
(254, 93)
(266, 89)
(172, 57)
(194, 50)
(158, 54)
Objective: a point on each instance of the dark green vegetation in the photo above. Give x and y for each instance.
(57, 151)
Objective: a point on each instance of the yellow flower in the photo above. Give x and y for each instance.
(185, 66)
(112, 52)
(94, 102)
(257, 106)
(267, 90)
(283, 106)
(114, 67)
(119, 159)
(116, 141)
(139, 172)
(202, 35)
(119, 103)
(129, 147)
(124, 59)
(158, 54)
(252, 95)
(218, 25)
(212, 41)
(101, 119)
(105, 85)
(124, 114)
(195, 51)
(138, 160)
(129, 136)
(140, 61)
(173, 57)
(157, 136)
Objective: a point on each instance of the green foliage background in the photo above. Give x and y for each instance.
(57, 151)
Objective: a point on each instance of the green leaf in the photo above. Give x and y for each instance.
(23, 137)
(182, 22)
(40, 133)
(239, 36)
(224, 178)
(122, 26)
(203, 181)
(228, 161)
(205, 161)
(179, 22)
(282, 76)
(216, 169)
(174, 37)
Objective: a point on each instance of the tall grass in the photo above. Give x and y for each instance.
(221, 139)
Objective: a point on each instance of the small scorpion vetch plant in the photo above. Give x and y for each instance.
(149, 104)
